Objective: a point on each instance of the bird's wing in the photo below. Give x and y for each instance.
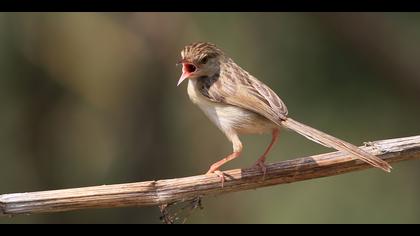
(246, 92)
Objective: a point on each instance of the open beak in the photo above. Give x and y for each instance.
(187, 69)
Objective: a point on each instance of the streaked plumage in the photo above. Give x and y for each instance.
(238, 103)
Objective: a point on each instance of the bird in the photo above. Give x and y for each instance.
(238, 103)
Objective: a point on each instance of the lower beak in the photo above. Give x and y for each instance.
(183, 77)
(185, 72)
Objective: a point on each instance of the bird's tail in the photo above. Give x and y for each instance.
(332, 142)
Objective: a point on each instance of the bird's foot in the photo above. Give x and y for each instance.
(218, 173)
(261, 165)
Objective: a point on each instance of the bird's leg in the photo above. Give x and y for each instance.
(261, 161)
(215, 167)
(237, 149)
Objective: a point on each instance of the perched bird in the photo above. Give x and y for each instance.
(238, 103)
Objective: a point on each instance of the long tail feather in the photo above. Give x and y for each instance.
(332, 142)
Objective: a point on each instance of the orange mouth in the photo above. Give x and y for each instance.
(188, 68)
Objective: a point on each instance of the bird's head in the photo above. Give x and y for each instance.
(199, 59)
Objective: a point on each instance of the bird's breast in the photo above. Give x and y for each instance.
(229, 118)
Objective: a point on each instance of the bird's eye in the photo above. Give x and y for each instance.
(204, 60)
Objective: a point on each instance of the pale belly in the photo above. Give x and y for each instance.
(240, 120)
(231, 118)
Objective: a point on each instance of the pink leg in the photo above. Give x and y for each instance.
(215, 167)
(237, 149)
(260, 162)
(218, 164)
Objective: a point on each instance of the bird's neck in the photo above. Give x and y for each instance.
(193, 92)
(199, 87)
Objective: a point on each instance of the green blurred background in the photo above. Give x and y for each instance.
(91, 99)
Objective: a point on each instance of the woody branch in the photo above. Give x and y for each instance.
(158, 192)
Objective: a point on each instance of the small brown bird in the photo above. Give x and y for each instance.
(238, 103)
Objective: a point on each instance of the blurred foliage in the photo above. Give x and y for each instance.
(90, 99)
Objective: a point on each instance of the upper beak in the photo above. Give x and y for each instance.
(181, 62)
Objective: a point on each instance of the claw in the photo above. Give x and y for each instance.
(261, 165)
(218, 173)
(221, 176)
